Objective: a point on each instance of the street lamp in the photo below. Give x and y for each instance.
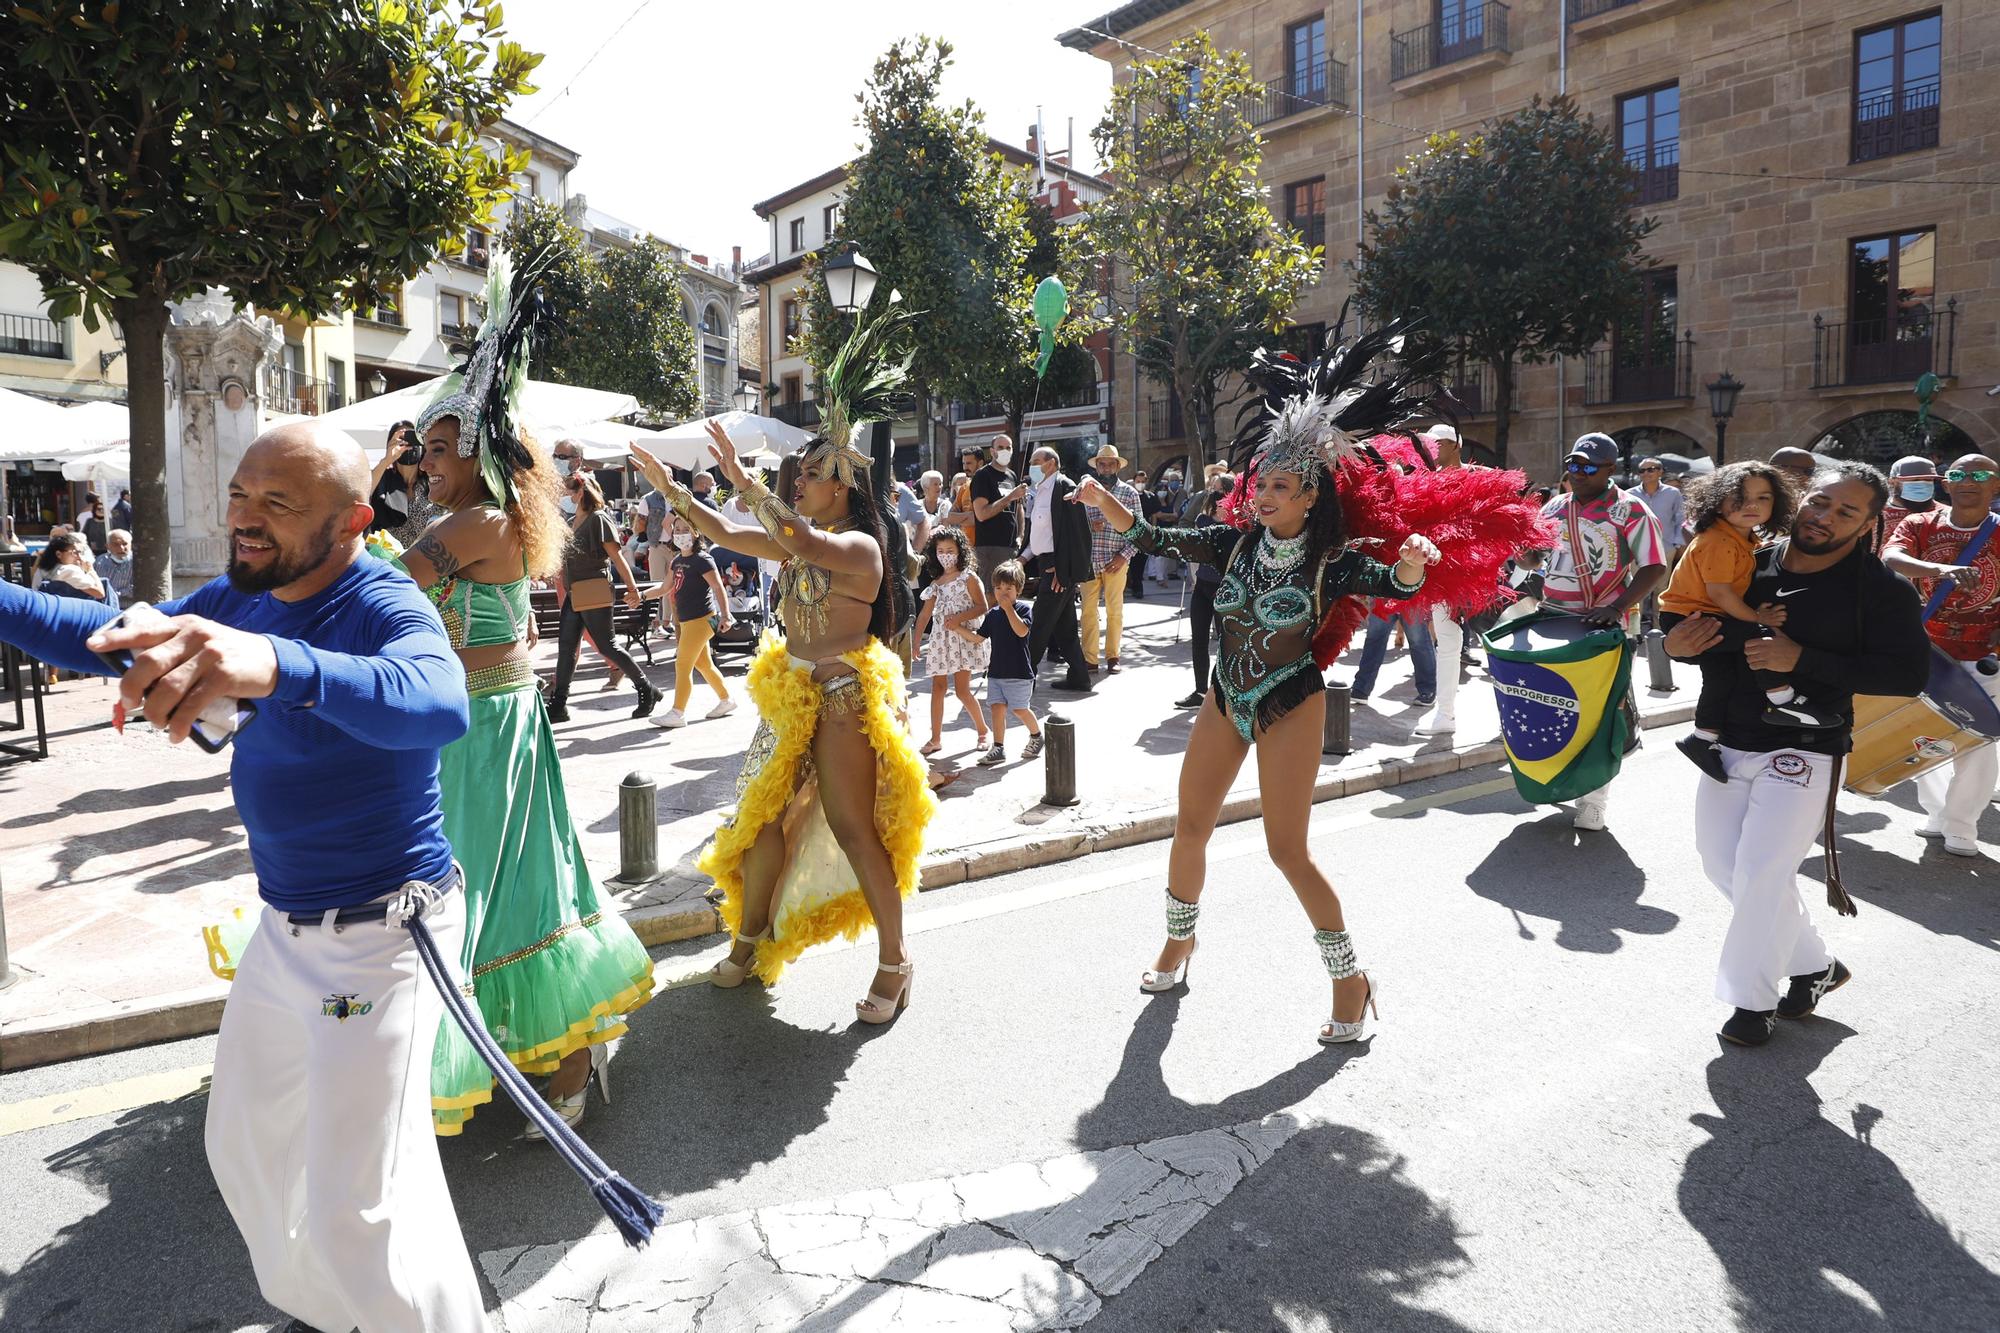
(378, 384)
(747, 398)
(850, 279)
(1722, 391)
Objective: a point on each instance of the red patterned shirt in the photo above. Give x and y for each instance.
(1965, 625)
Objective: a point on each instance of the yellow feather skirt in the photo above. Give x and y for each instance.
(818, 895)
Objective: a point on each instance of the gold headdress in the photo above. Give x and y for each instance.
(861, 385)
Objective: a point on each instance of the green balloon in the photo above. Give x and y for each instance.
(1051, 303)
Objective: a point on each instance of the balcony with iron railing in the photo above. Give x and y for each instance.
(1476, 30)
(1470, 389)
(1885, 351)
(1588, 18)
(1311, 87)
(1659, 171)
(1163, 419)
(1885, 126)
(289, 389)
(32, 335)
(797, 414)
(1639, 375)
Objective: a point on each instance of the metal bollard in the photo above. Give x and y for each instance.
(1058, 761)
(1337, 737)
(1658, 666)
(638, 828)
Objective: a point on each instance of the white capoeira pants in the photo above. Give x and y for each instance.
(1954, 795)
(319, 1128)
(1752, 833)
(1449, 636)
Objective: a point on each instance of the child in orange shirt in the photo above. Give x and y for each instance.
(1733, 511)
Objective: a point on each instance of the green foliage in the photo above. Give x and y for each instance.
(634, 336)
(302, 155)
(568, 285)
(945, 222)
(1203, 273)
(1519, 244)
(620, 320)
(294, 152)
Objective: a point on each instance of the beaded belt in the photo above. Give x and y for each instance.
(494, 679)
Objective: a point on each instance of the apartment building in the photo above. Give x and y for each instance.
(1822, 172)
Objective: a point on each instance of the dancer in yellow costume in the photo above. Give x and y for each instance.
(833, 799)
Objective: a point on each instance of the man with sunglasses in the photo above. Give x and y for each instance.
(1609, 556)
(1954, 545)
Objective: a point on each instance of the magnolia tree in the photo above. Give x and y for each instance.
(302, 155)
(1202, 273)
(1518, 245)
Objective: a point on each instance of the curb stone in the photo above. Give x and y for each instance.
(197, 1012)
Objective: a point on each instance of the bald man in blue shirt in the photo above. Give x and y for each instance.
(319, 1125)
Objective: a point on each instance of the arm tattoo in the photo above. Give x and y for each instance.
(433, 549)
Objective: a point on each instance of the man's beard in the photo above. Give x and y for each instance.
(1806, 546)
(283, 567)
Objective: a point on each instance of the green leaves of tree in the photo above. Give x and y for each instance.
(1203, 273)
(620, 320)
(1520, 244)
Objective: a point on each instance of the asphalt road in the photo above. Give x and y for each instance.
(1543, 1133)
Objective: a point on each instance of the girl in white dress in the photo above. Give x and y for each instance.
(953, 598)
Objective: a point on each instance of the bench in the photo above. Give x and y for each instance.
(635, 626)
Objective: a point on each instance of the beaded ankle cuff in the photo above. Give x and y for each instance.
(1181, 918)
(1336, 950)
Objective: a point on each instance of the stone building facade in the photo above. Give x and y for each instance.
(1824, 173)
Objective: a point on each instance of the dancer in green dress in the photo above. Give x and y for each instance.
(554, 972)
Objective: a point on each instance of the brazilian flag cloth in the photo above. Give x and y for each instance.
(1562, 687)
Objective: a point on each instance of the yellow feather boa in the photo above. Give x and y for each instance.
(819, 897)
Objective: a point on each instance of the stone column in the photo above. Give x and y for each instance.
(216, 355)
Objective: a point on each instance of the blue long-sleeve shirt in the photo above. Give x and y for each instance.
(337, 777)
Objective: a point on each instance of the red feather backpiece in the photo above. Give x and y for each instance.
(1478, 517)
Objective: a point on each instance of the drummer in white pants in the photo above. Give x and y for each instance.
(1851, 627)
(1956, 548)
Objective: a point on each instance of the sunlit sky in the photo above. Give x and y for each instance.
(693, 112)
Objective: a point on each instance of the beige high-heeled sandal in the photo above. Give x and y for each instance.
(728, 974)
(880, 1008)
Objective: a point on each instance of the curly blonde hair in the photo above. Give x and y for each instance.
(537, 520)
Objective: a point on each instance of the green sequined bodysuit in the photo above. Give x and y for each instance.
(1272, 599)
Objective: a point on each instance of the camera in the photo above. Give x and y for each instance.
(413, 449)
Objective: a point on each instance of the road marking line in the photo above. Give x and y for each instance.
(146, 1089)
(103, 1099)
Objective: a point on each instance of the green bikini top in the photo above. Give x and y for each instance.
(478, 615)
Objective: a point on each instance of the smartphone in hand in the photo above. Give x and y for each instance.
(219, 722)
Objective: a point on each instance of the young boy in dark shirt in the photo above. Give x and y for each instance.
(1010, 679)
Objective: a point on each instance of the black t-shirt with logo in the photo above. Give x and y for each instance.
(1861, 631)
(693, 599)
(989, 484)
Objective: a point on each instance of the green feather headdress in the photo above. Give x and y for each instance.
(484, 393)
(861, 384)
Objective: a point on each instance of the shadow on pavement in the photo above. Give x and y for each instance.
(1137, 1105)
(1955, 896)
(160, 1253)
(107, 800)
(1816, 1227)
(216, 830)
(1591, 888)
(743, 1086)
(1328, 1234)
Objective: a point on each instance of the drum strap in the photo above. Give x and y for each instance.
(1945, 587)
(1836, 892)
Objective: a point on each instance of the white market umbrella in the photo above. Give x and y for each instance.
(604, 441)
(32, 427)
(686, 445)
(102, 423)
(546, 409)
(106, 470)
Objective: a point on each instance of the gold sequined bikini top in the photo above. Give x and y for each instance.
(806, 595)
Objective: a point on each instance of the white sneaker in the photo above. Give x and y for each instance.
(723, 709)
(1931, 831)
(1958, 846)
(673, 717)
(1437, 722)
(1589, 816)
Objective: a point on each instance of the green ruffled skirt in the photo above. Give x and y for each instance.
(549, 967)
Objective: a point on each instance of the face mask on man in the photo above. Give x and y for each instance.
(1003, 456)
(567, 505)
(1917, 492)
(1048, 469)
(562, 467)
(684, 540)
